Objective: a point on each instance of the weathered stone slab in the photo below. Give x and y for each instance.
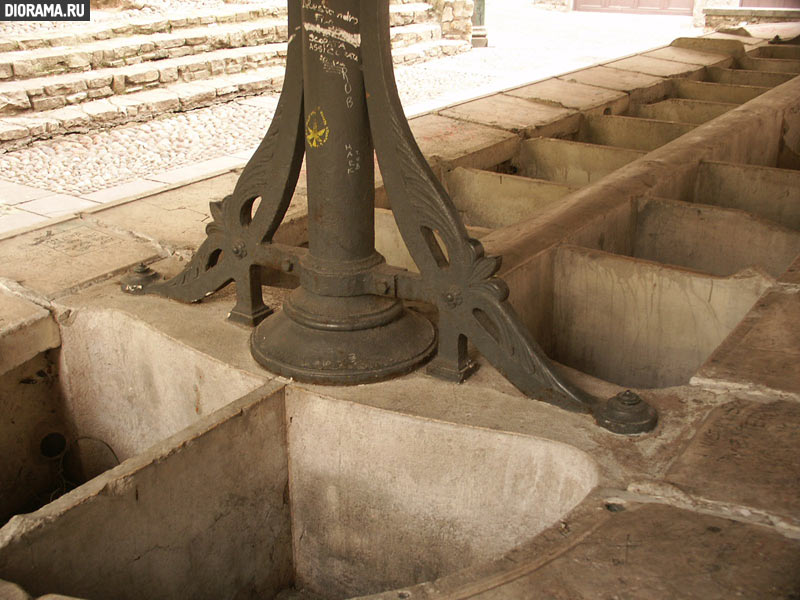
(456, 143)
(660, 552)
(721, 44)
(57, 205)
(762, 353)
(13, 101)
(654, 66)
(689, 56)
(57, 259)
(746, 454)
(13, 193)
(26, 329)
(12, 131)
(573, 95)
(12, 219)
(641, 87)
(511, 113)
(174, 219)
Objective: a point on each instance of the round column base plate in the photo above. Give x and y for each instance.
(332, 357)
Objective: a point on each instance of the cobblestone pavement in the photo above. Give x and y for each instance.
(526, 44)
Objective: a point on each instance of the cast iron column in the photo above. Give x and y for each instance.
(332, 329)
(346, 322)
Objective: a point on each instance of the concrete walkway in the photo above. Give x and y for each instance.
(68, 174)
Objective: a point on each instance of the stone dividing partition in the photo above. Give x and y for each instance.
(382, 500)
(291, 487)
(188, 517)
(104, 395)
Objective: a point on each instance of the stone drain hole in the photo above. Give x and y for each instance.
(71, 464)
(53, 445)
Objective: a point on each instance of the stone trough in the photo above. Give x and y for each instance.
(650, 241)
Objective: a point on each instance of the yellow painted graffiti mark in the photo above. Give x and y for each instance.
(317, 129)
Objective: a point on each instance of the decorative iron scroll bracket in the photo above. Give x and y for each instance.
(346, 322)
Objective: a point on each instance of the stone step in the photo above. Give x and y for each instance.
(403, 36)
(409, 13)
(427, 50)
(136, 49)
(47, 93)
(56, 91)
(19, 131)
(87, 33)
(27, 64)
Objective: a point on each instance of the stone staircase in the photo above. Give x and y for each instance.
(104, 74)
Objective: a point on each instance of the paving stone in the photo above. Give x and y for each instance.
(509, 112)
(61, 257)
(102, 110)
(613, 79)
(659, 552)
(63, 88)
(13, 193)
(56, 205)
(158, 101)
(103, 92)
(168, 74)
(13, 219)
(143, 75)
(176, 219)
(746, 453)
(76, 98)
(654, 66)
(130, 105)
(198, 171)
(763, 352)
(125, 191)
(37, 127)
(48, 103)
(192, 95)
(71, 117)
(572, 95)
(12, 101)
(26, 329)
(12, 131)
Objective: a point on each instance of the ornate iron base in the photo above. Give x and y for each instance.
(346, 323)
(343, 357)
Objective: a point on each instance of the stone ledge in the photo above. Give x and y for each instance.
(789, 14)
(26, 329)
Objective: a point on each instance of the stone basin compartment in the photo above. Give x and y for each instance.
(113, 388)
(295, 488)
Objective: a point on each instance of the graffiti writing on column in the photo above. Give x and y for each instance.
(329, 39)
(353, 159)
